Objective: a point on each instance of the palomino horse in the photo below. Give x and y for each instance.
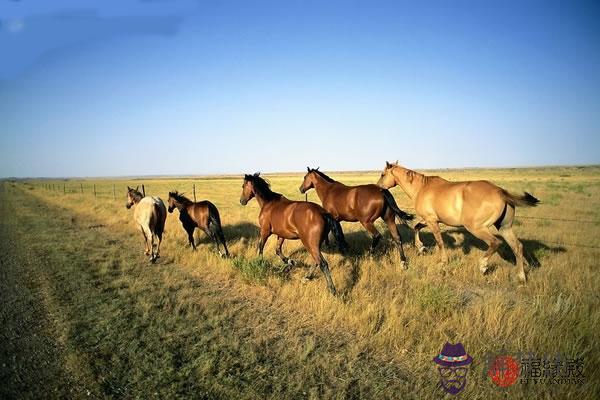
(476, 205)
(291, 220)
(363, 203)
(150, 214)
(203, 215)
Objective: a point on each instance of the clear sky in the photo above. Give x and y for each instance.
(101, 88)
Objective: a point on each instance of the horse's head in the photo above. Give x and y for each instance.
(248, 188)
(132, 194)
(387, 179)
(309, 179)
(172, 201)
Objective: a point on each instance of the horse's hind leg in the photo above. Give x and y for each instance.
(418, 243)
(221, 238)
(213, 237)
(517, 247)
(390, 220)
(492, 241)
(369, 226)
(146, 251)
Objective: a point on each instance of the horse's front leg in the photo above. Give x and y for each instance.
(435, 228)
(265, 232)
(279, 252)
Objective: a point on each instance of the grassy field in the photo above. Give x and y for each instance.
(84, 313)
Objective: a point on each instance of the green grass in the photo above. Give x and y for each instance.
(88, 314)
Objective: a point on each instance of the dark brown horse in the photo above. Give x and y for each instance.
(203, 215)
(362, 203)
(291, 220)
(480, 206)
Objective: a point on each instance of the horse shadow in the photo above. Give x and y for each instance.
(532, 248)
(234, 233)
(359, 242)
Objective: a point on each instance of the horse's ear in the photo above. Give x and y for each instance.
(396, 162)
(308, 169)
(137, 187)
(257, 174)
(388, 165)
(128, 188)
(318, 168)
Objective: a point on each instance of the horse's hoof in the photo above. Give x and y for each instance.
(404, 264)
(522, 278)
(422, 250)
(290, 262)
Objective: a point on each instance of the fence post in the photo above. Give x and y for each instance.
(194, 190)
(114, 192)
(94, 190)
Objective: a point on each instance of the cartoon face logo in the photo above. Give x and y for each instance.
(453, 365)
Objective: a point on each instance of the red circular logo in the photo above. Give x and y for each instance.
(504, 371)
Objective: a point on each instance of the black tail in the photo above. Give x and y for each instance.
(391, 203)
(525, 200)
(336, 228)
(215, 225)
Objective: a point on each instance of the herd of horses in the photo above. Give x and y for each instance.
(479, 206)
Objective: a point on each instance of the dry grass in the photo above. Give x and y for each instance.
(263, 333)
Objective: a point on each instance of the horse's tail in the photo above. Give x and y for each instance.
(161, 212)
(525, 200)
(214, 220)
(331, 225)
(391, 203)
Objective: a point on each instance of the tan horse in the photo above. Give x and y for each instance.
(476, 205)
(150, 213)
(291, 220)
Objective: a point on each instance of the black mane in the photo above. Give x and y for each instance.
(180, 198)
(262, 188)
(322, 175)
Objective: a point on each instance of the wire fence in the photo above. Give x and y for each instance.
(114, 190)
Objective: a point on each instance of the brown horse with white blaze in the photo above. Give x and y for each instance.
(479, 206)
(291, 220)
(362, 203)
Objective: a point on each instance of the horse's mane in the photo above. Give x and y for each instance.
(137, 195)
(322, 175)
(179, 197)
(424, 178)
(262, 187)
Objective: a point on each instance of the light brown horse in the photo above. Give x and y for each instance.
(362, 203)
(201, 214)
(476, 205)
(150, 214)
(291, 220)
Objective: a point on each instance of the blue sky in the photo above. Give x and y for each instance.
(103, 88)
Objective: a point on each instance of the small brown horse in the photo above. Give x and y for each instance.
(203, 215)
(291, 220)
(150, 214)
(476, 205)
(363, 203)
